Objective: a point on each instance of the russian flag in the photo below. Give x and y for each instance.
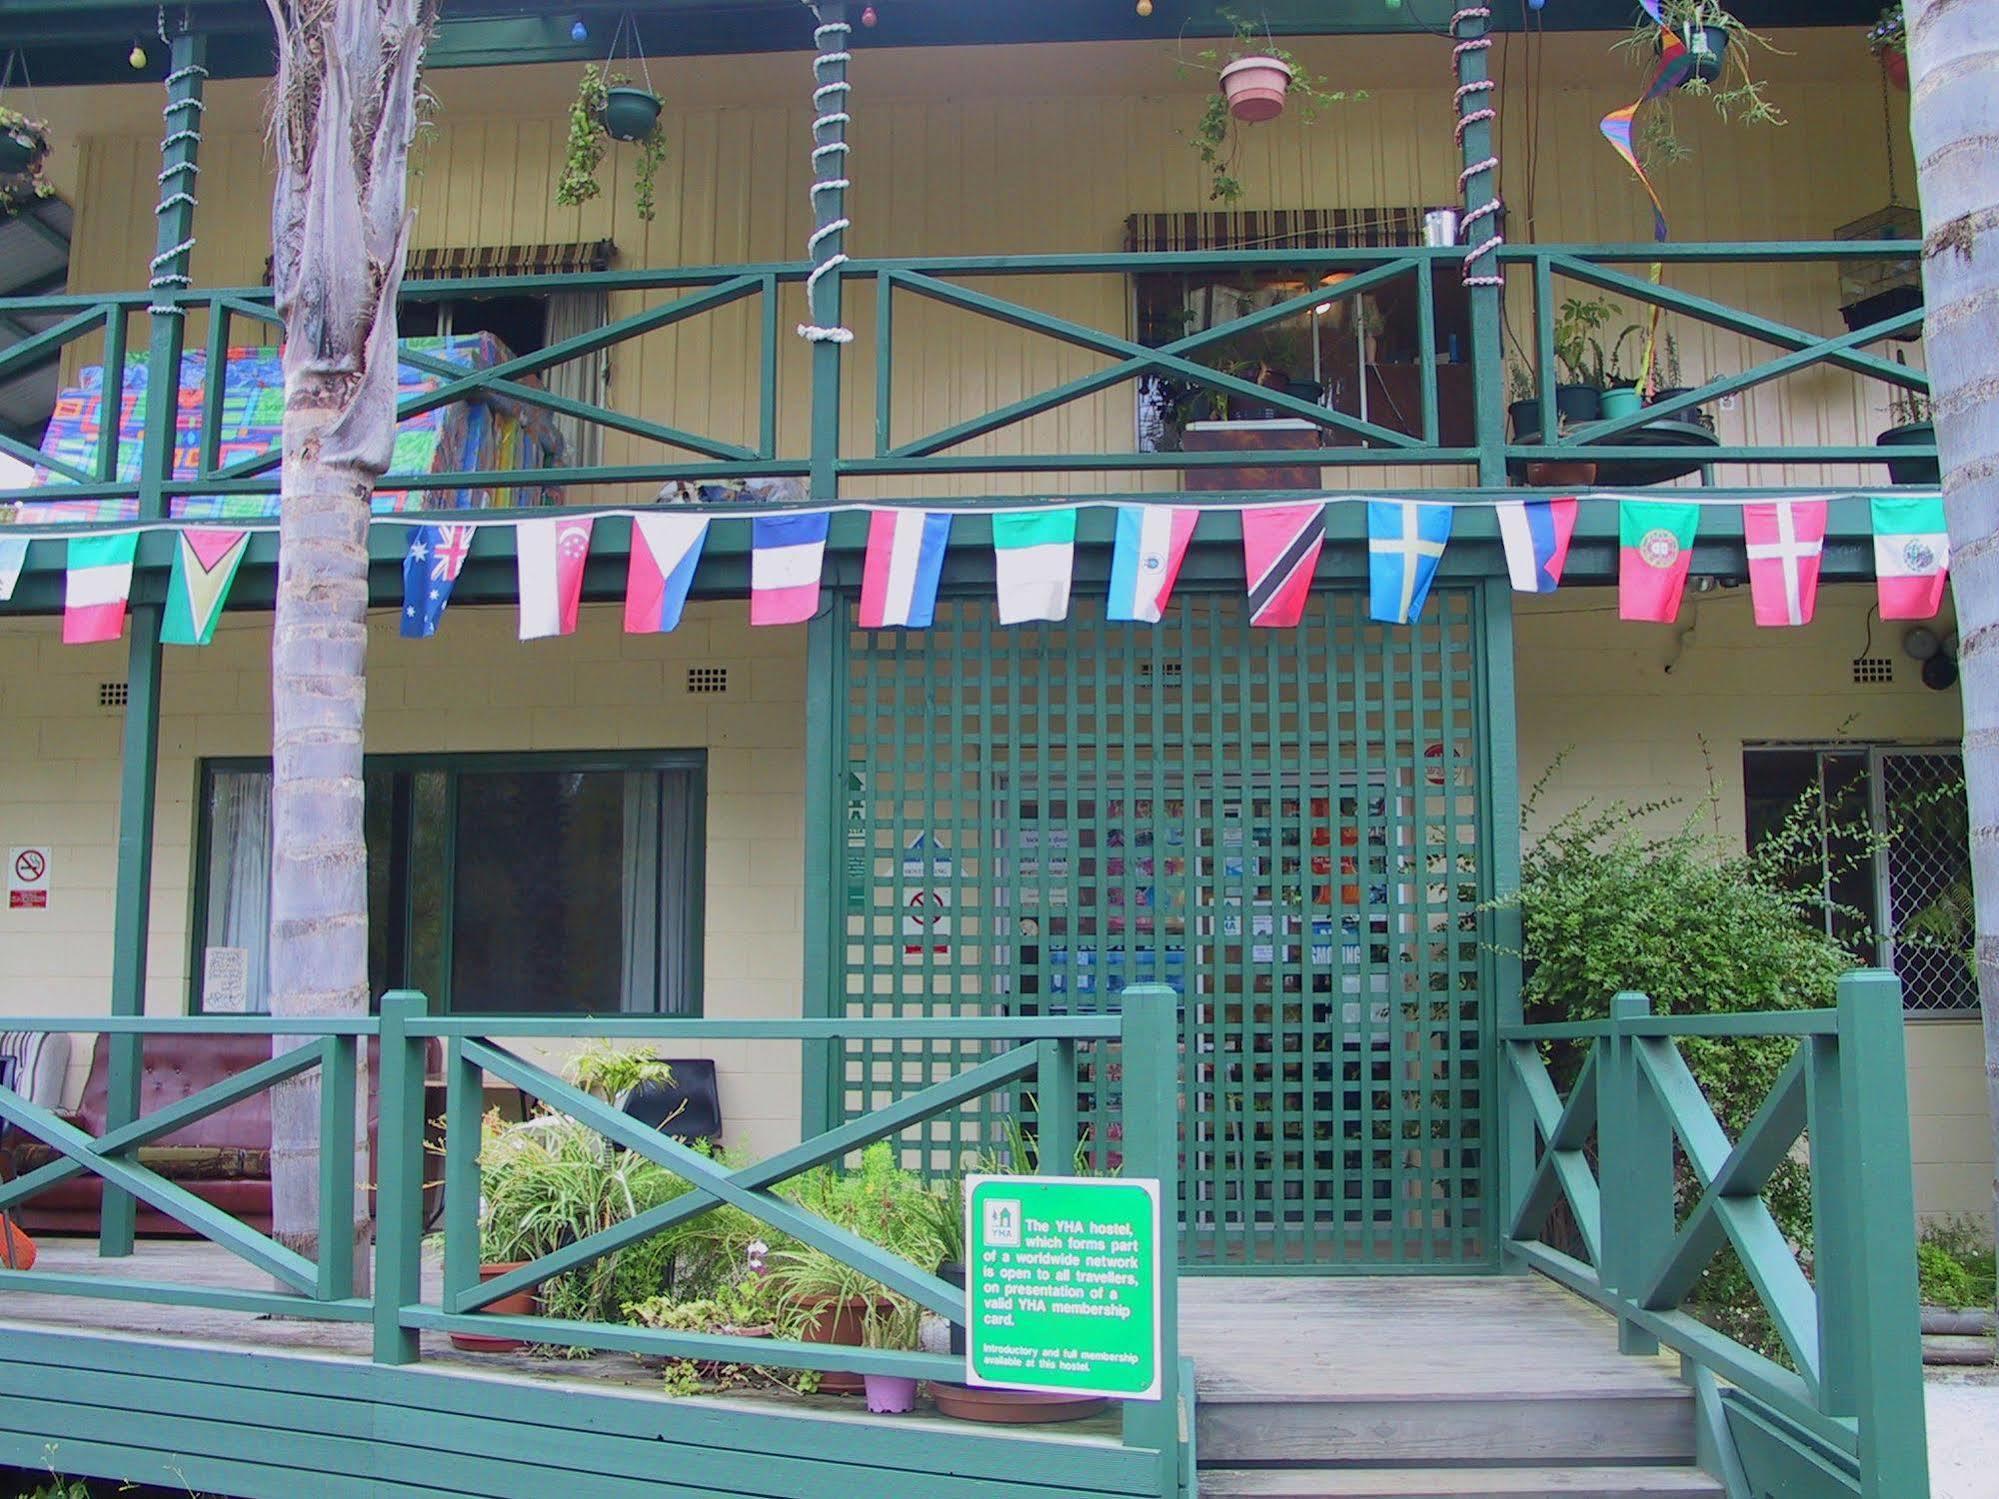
(665, 550)
(904, 564)
(1151, 545)
(785, 555)
(548, 559)
(1536, 534)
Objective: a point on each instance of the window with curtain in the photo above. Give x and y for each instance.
(496, 884)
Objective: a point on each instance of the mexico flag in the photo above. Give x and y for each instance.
(96, 588)
(1655, 550)
(1911, 556)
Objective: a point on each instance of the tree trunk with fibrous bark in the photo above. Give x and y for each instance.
(344, 111)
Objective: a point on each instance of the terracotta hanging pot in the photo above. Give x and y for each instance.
(1256, 88)
(1895, 63)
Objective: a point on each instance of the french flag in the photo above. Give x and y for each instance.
(1536, 534)
(904, 564)
(785, 555)
(548, 559)
(665, 551)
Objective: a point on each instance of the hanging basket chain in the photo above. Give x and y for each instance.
(1477, 93)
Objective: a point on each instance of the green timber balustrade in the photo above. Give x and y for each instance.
(1038, 1054)
(1840, 1411)
(966, 285)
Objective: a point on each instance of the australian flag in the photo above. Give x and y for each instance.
(429, 569)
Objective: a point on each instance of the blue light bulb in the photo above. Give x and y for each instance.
(581, 33)
(1536, 4)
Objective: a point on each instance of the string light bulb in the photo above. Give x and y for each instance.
(1145, 7)
(137, 56)
(579, 32)
(868, 16)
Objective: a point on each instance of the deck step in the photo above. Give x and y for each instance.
(1638, 1426)
(1457, 1483)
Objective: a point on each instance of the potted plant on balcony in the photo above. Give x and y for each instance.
(24, 150)
(1255, 80)
(1579, 353)
(1719, 47)
(1909, 415)
(896, 1324)
(1888, 39)
(608, 108)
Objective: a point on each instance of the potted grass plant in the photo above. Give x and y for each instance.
(896, 1324)
(1911, 425)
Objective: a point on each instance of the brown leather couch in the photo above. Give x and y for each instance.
(224, 1159)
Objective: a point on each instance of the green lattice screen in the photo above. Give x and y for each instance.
(1284, 825)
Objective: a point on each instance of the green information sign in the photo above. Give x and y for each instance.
(1063, 1285)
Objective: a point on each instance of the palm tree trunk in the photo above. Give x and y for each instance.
(1954, 74)
(343, 114)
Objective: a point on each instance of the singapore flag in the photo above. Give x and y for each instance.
(549, 555)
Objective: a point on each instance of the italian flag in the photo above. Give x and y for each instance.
(1655, 549)
(1911, 556)
(1034, 552)
(96, 588)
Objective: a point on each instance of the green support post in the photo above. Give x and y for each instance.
(830, 94)
(1886, 1378)
(1635, 1137)
(1512, 1121)
(1055, 1107)
(336, 1167)
(399, 1170)
(139, 753)
(825, 834)
(464, 1123)
(1151, 1047)
(1479, 182)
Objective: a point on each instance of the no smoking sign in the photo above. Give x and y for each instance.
(27, 879)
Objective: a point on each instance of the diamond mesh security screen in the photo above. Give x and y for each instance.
(1283, 825)
(1925, 874)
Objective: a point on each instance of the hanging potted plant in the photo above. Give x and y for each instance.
(607, 107)
(1909, 414)
(1255, 81)
(1719, 49)
(24, 151)
(1888, 39)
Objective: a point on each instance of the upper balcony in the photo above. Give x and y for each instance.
(1044, 297)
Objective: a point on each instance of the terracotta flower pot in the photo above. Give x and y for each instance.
(520, 1304)
(1255, 87)
(17, 1250)
(1012, 1407)
(1895, 63)
(841, 1321)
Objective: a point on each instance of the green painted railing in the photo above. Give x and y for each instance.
(1842, 1413)
(971, 285)
(1039, 1054)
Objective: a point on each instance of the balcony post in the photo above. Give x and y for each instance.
(827, 247)
(168, 272)
(1479, 228)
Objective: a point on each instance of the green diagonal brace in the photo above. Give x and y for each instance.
(1139, 358)
(176, 1202)
(49, 339)
(848, 1248)
(1564, 1166)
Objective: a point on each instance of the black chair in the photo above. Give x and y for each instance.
(689, 1108)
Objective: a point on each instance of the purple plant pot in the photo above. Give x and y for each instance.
(889, 1395)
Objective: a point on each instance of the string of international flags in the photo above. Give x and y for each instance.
(1034, 562)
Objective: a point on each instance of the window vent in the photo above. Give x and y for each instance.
(112, 694)
(1169, 673)
(707, 679)
(1873, 671)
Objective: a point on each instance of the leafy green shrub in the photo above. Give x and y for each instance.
(1954, 1263)
(1940, 1279)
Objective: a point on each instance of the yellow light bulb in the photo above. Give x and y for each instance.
(137, 56)
(1145, 7)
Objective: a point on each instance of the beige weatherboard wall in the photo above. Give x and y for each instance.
(1644, 712)
(474, 687)
(1021, 150)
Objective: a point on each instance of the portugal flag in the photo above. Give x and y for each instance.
(1655, 550)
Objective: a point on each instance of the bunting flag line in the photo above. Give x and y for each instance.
(204, 567)
(786, 552)
(1911, 556)
(548, 559)
(1034, 557)
(665, 551)
(1151, 544)
(98, 583)
(1675, 66)
(904, 565)
(1280, 552)
(1405, 542)
(1785, 541)
(1655, 551)
(1536, 536)
(431, 565)
(13, 557)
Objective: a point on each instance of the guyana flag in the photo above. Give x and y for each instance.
(1655, 550)
(205, 565)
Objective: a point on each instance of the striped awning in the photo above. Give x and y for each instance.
(1276, 229)
(460, 262)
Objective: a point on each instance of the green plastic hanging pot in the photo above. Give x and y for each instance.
(1707, 49)
(630, 113)
(20, 149)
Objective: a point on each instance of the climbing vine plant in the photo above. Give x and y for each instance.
(588, 140)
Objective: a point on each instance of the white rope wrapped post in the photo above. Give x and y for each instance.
(1473, 107)
(167, 270)
(826, 246)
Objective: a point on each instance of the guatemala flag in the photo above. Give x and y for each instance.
(1151, 545)
(1405, 541)
(1536, 534)
(430, 567)
(904, 564)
